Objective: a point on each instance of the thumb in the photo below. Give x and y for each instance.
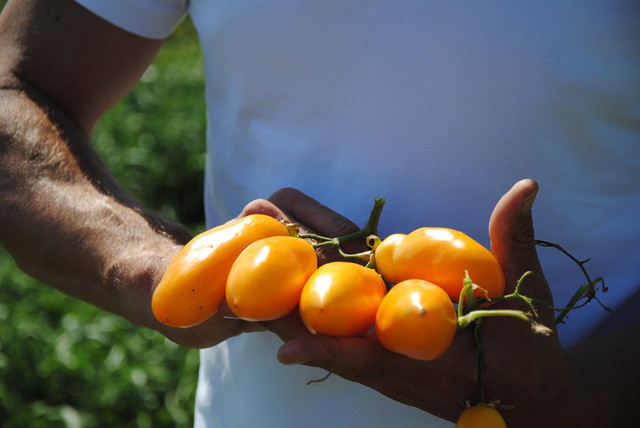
(512, 239)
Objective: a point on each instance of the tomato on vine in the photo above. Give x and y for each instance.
(441, 256)
(416, 319)
(341, 299)
(266, 279)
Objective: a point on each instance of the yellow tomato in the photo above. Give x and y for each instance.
(441, 256)
(416, 319)
(481, 416)
(193, 286)
(341, 299)
(266, 279)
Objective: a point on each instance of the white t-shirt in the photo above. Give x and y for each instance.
(439, 106)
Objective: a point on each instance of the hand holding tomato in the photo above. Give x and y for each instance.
(188, 301)
(530, 371)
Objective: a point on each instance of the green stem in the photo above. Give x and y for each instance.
(370, 228)
(519, 283)
(479, 362)
(317, 238)
(587, 290)
(466, 295)
(482, 313)
(329, 242)
(582, 291)
(516, 295)
(365, 255)
(371, 264)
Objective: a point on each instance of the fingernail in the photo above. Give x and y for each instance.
(527, 202)
(289, 353)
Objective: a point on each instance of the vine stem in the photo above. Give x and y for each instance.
(468, 303)
(476, 314)
(587, 290)
(479, 363)
(369, 229)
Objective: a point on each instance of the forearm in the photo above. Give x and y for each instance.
(66, 221)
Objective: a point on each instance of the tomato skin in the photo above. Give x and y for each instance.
(441, 256)
(341, 299)
(481, 416)
(416, 319)
(266, 280)
(193, 285)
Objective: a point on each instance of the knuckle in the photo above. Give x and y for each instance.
(285, 197)
(258, 206)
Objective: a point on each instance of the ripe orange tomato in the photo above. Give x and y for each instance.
(441, 256)
(341, 299)
(417, 319)
(481, 416)
(193, 285)
(266, 279)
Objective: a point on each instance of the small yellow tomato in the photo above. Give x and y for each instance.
(266, 279)
(481, 416)
(193, 285)
(441, 256)
(341, 299)
(416, 319)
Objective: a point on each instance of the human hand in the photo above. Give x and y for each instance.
(530, 374)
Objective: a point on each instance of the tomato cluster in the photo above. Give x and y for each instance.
(264, 274)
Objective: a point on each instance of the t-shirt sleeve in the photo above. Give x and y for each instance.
(154, 19)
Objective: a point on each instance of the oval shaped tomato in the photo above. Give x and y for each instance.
(441, 256)
(481, 416)
(193, 285)
(416, 319)
(266, 279)
(341, 299)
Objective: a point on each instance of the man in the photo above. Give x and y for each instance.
(438, 107)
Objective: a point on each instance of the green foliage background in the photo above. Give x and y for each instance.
(64, 363)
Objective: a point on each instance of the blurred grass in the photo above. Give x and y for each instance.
(64, 363)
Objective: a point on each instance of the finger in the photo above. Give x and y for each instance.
(313, 217)
(263, 206)
(312, 213)
(512, 239)
(353, 358)
(288, 326)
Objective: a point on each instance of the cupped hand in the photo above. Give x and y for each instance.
(528, 373)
